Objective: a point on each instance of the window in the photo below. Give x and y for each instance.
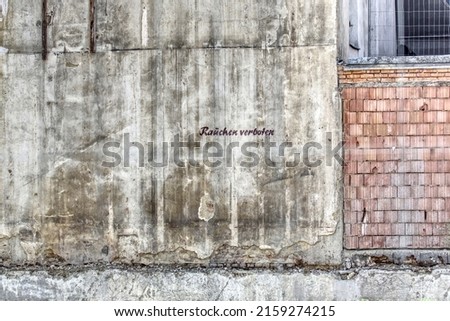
(398, 28)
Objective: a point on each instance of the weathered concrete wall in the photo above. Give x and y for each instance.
(208, 285)
(161, 69)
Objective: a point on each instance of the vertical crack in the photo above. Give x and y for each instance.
(44, 29)
(92, 26)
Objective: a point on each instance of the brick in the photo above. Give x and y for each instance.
(369, 229)
(432, 217)
(433, 242)
(356, 205)
(440, 229)
(398, 204)
(370, 155)
(446, 141)
(397, 179)
(350, 117)
(431, 141)
(391, 191)
(418, 142)
(417, 191)
(417, 166)
(419, 242)
(363, 192)
(405, 241)
(373, 93)
(384, 229)
(411, 130)
(437, 179)
(410, 204)
(442, 92)
(384, 105)
(356, 130)
(351, 168)
(364, 118)
(445, 103)
(438, 204)
(348, 93)
(392, 129)
(416, 117)
(404, 191)
(429, 92)
(441, 117)
(390, 166)
(356, 180)
(376, 217)
(384, 154)
(370, 205)
(365, 242)
(355, 229)
(350, 192)
(424, 204)
(370, 105)
(398, 229)
(431, 166)
(362, 93)
(392, 242)
(404, 167)
(444, 216)
(411, 179)
(401, 105)
(437, 154)
(348, 229)
(429, 116)
(377, 117)
(364, 168)
(389, 93)
(379, 242)
(424, 129)
(402, 93)
(351, 142)
(356, 105)
(403, 117)
(351, 243)
(440, 143)
(414, 92)
(436, 104)
(350, 217)
(425, 229)
(384, 179)
(438, 129)
(370, 130)
(390, 216)
(411, 229)
(391, 117)
(347, 180)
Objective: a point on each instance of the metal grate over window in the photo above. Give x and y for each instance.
(409, 27)
(423, 27)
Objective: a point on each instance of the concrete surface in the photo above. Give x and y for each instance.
(170, 284)
(148, 72)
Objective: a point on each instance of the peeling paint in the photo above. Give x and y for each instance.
(207, 208)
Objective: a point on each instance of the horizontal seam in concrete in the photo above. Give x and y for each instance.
(99, 51)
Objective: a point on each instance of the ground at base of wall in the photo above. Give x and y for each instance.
(171, 284)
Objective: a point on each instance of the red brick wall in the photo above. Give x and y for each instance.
(391, 75)
(397, 169)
